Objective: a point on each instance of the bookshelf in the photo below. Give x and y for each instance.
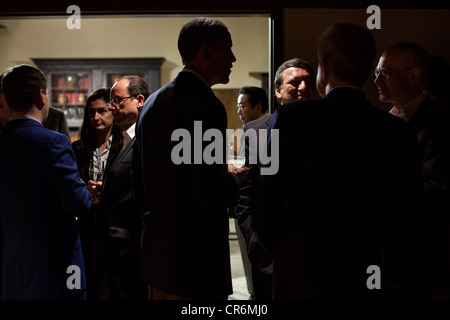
(71, 80)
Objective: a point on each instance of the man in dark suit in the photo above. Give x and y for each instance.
(4, 117)
(119, 214)
(4, 109)
(401, 78)
(56, 121)
(41, 195)
(185, 248)
(342, 202)
(294, 80)
(252, 104)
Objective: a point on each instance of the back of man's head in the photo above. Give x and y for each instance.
(22, 85)
(198, 32)
(349, 51)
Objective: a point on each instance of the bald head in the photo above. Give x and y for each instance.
(401, 73)
(408, 55)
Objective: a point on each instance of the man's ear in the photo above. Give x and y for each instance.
(277, 92)
(40, 99)
(204, 51)
(140, 98)
(258, 107)
(415, 75)
(324, 69)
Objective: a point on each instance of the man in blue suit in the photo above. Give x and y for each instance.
(41, 195)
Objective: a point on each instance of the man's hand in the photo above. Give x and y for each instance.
(94, 188)
(240, 172)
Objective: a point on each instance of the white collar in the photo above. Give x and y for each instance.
(408, 110)
(129, 134)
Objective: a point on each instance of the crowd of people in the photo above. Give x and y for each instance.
(358, 189)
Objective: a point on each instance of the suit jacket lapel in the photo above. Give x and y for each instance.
(269, 121)
(113, 153)
(122, 154)
(118, 160)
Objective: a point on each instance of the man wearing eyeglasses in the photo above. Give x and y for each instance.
(128, 95)
(401, 76)
(120, 219)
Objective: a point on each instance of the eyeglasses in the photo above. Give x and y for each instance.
(117, 101)
(386, 75)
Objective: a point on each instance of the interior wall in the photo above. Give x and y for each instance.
(128, 37)
(114, 36)
(428, 28)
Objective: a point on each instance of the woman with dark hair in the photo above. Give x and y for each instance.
(100, 142)
(98, 129)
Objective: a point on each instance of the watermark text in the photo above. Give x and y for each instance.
(374, 21)
(74, 21)
(190, 149)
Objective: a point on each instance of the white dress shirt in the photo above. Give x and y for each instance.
(128, 135)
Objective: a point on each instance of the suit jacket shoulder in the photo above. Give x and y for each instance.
(262, 123)
(43, 214)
